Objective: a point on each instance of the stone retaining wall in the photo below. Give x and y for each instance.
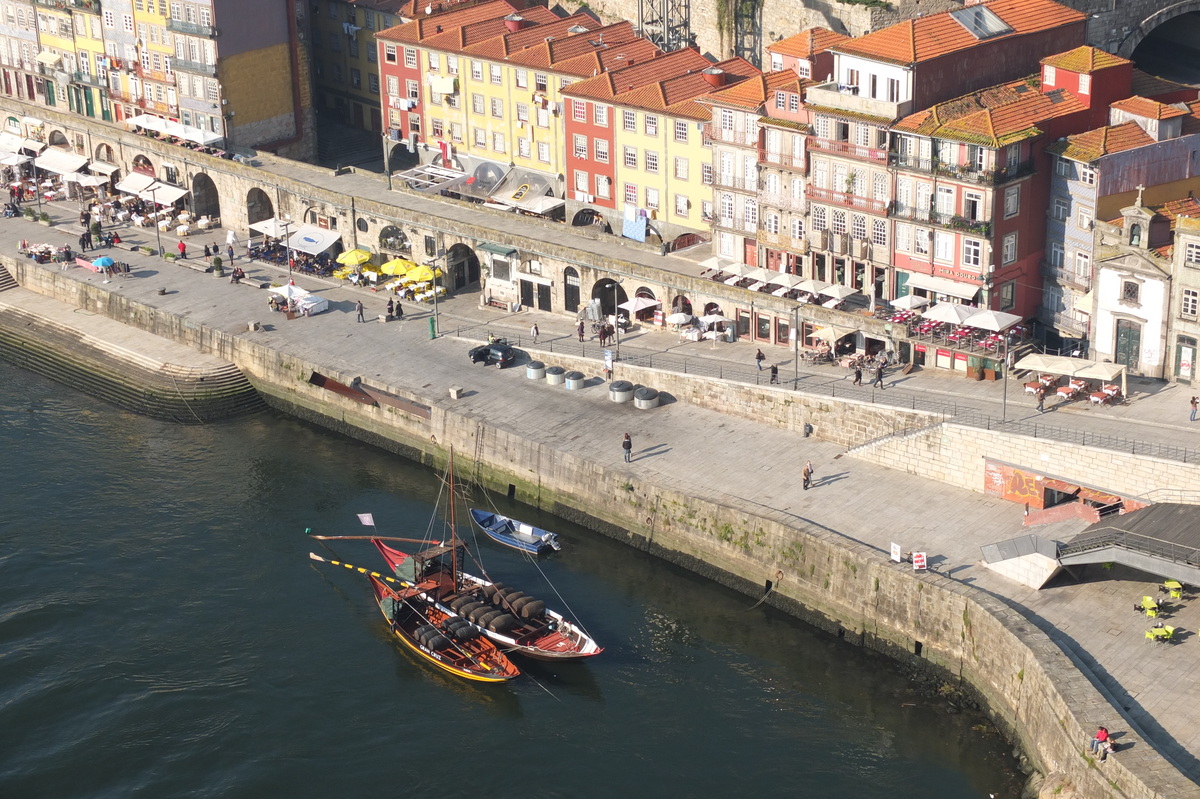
(1030, 685)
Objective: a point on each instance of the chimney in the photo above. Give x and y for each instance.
(714, 76)
(514, 22)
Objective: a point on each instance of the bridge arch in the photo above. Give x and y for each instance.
(1150, 23)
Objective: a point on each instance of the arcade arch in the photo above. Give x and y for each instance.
(610, 294)
(463, 265)
(205, 199)
(258, 206)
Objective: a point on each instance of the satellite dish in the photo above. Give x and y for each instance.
(429, 9)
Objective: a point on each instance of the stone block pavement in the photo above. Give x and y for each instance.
(1152, 687)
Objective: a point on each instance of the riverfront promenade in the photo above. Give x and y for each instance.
(743, 464)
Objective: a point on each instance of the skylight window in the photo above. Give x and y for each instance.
(981, 22)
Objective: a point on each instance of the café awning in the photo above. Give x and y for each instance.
(941, 285)
(103, 168)
(148, 121)
(32, 145)
(14, 159)
(60, 161)
(86, 180)
(134, 183)
(313, 240)
(162, 193)
(48, 58)
(10, 142)
(275, 227)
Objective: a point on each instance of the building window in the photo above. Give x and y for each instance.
(1061, 208)
(497, 108)
(1191, 299)
(972, 253)
(581, 181)
(410, 58)
(651, 160)
(1050, 75)
(629, 121)
(581, 146)
(797, 228)
(879, 232)
(652, 199)
(793, 103)
(523, 147)
(858, 227)
(681, 168)
(681, 132)
(706, 173)
(1087, 176)
(389, 53)
(819, 218)
(479, 136)
(600, 116)
(437, 129)
(373, 83)
(837, 221)
(771, 224)
(1191, 255)
(539, 83)
(1008, 251)
(651, 125)
(1085, 84)
(1012, 201)
(1083, 266)
(629, 157)
(726, 120)
(477, 103)
(631, 194)
(781, 100)
(1008, 295)
(1130, 292)
(495, 74)
(1064, 168)
(579, 110)
(544, 152)
(452, 64)
(477, 70)
(681, 205)
(600, 147)
(603, 187)
(435, 62)
(521, 77)
(498, 142)
(1085, 218)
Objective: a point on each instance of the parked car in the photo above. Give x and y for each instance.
(498, 353)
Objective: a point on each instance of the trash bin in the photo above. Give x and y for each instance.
(535, 370)
(574, 380)
(645, 398)
(555, 375)
(620, 391)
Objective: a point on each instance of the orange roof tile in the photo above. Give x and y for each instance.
(607, 85)
(499, 47)
(419, 29)
(751, 94)
(1084, 59)
(992, 117)
(1191, 123)
(602, 61)
(1140, 106)
(1174, 209)
(807, 43)
(926, 38)
(1090, 145)
(545, 55)
(677, 95)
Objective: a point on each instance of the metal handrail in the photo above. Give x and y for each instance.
(1116, 537)
(1081, 437)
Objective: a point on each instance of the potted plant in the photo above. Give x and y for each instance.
(45, 219)
(97, 231)
(217, 266)
(29, 213)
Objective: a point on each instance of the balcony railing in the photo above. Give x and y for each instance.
(152, 74)
(849, 200)
(911, 162)
(786, 202)
(745, 138)
(90, 5)
(88, 78)
(182, 65)
(736, 222)
(975, 227)
(847, 148)
(1062, 321)
(796, 163)
(191, 28)
(783, 241)
(1067, 276)
(970, 174)
(735, 182)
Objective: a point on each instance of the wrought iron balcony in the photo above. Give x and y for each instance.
(182, 65)
(744, 138)
(796, 163)
(848, 148)
(1062, 321)
(786, 202)
(90, 5)
(191, 28)
(905, 161)
(89, 79)
(848, 200)
(1067, 276)
(975, 227)
(735, 182)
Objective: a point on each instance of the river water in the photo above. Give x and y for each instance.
(163, 633)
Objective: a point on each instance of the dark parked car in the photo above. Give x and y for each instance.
(499, 353)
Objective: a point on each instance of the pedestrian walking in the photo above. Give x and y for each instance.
(182, 249)
(774, 373)
(807, 473)
(1041, 399)
(878, 381)
(579, 330)
(857, 374)
(759, 358)
(207, 252)
(533, 331)
(399, 310)
(627, 445)
(83, 248)
(1099, 739)
(358, 306)
(228, 251)
(391, 307)
(1195, 400)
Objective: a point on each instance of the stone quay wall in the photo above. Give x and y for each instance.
(1031, 687)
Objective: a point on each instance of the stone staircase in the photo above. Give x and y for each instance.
(7, 281)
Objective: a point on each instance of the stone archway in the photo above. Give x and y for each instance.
(393, 239)
(205, 199)
(142, 165)
(590, 216)
(258, 206)
(681, 304)
(57, 139)
(463, 266)
(401, 158)
(571, 289)
(104, 152)
(602, 290)
(1150, 23)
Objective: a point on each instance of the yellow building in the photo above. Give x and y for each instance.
(345, 58)
(153, 78)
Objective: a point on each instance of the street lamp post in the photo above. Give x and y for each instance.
(287, 238)
(157, 226)
(616, 318)
(433, 270)
(387, 153)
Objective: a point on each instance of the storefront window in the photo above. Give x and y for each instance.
(782, 327)
(762, 327)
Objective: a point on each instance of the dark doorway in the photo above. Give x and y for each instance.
(571, 289)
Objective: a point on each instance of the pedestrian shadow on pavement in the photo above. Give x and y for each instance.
(831, 478)
(650, 452)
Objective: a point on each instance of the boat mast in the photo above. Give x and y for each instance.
(453, 530)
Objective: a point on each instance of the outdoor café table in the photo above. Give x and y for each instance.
(1068, 392)
(1174, 587)
(735, 279)
(1149, 607)
(1111, 390)
(1098, 398)
(1032, 388)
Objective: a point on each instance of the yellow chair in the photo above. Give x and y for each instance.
(1160, 634)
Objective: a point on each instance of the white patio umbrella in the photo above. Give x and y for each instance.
(832, 333)
(997, 322)
(759, 275)
(784, 279)
(638, 304)
(812, 286)
(910, 302)
(711, 319)
(950, 312)
(679, 318)
(837, 292)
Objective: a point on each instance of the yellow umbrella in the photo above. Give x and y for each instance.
(396, 266)
(423, 274)
(354, 257)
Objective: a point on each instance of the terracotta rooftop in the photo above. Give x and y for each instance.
(1191, 123)
(1093, 144)
(916, 40)
(807, 43)
(609, 84)
(545, 55)
(501, 46)
(992, 117)
(1150, 109)
(1147, 85)
(419, 29)
(677, 95)
(1174, 209)
(598, 62)
(753, 93)
(462, 39)
(1085, 59)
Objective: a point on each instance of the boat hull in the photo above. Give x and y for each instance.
(514, 533)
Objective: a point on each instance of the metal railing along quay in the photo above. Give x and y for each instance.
(1083, 438)
(1136, 542)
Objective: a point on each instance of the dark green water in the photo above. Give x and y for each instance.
(163, 633)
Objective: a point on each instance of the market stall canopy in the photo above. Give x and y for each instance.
(941, 285)
(833, 333)
(60, 161)
(274, 227)
(909, 302)
(994, 321)
(714, 319)
(14, 159)
(639, 304)
(86, 180)
(134, 183)
(313, 240)
(950, 312)
(679, 318)
(289, 290)
(355, 257)
(103, 168)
